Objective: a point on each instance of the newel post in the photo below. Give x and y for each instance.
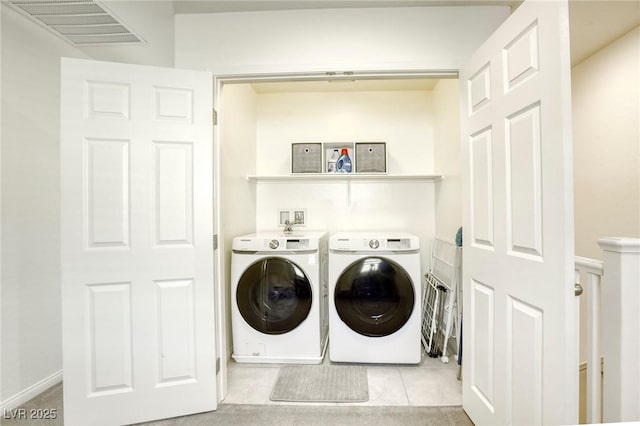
(621, 329)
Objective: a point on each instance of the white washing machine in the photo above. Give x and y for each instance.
(279, 297)
(374, 297)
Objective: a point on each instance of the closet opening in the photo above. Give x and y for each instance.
(416, 114)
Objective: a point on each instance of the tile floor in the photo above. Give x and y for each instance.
(430, 383)
(423, 394)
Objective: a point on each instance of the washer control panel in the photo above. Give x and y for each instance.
(289, 244)
(270, 242)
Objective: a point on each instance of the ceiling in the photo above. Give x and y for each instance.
(593, 23)
(221, 6)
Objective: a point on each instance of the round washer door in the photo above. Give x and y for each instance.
(374, 296)
(274, 295)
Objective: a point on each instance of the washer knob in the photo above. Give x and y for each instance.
(274, 244)
(374, 244)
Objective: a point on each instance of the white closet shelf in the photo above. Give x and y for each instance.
(338, 177)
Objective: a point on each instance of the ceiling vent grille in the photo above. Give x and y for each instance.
(80, 22)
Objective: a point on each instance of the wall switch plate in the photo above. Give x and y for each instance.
(283, 216)
(295, 216)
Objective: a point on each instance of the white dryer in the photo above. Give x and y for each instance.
(374, 297)
(279, 297)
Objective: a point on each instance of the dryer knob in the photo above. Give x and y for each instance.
(274, 244)
(374, 244)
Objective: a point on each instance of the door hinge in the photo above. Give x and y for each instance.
(217, 365)
(215, 242)
(214, 117)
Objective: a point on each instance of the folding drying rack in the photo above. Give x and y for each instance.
(441, 300)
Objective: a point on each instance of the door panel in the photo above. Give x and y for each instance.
(137, 256)
(176, 319)
(107, 100)
(524, 362)
(518, 264)
(524, 176)
(482, 189)
(106, 201)
(521, 57)
(110, 331)
(482, 362)
(173, 198)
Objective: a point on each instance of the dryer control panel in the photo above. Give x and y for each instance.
(372, 242)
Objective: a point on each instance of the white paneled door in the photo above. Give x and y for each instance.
(137, 250)
(520, 354)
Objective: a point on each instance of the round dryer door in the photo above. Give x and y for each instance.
(374, 296)
(274, 295)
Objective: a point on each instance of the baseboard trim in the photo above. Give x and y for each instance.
(31, 392)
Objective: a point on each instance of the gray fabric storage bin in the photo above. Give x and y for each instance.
(306, 158)
(371, 157)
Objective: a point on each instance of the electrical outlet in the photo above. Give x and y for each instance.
(295, 216)
(283, 216)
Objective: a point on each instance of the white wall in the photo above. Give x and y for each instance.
(446, 106)
(31, 317)
(402, 119)
(238, 122)
(334, 39)
(606, 146)
(606, 140)
(1, 9)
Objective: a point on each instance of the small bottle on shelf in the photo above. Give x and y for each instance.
(344, 162)
(333, 160)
